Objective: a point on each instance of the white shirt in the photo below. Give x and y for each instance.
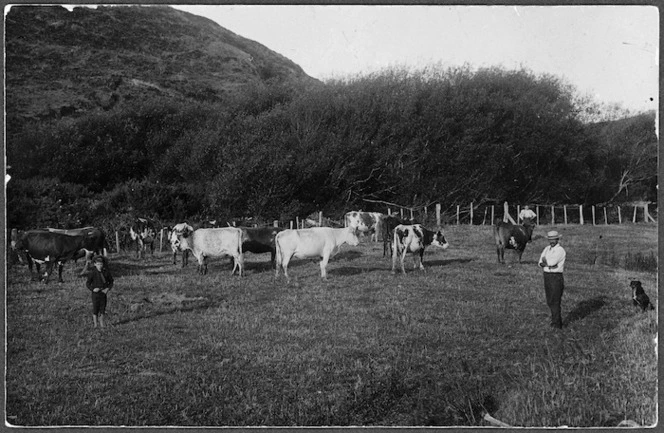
(527, 213)
(554, 256)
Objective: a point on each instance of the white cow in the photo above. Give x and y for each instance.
(176, 230)
(414, 238)
(365, 222)
(221, 242)
(322, 242)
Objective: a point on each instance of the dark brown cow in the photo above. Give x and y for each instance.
(259, 240)
(512, 237)
(144, 233)
(44, 247)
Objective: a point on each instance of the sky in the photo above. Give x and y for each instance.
(610, 53)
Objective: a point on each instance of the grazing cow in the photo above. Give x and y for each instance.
(220, 242)
(414, 238)
(365, 222)
(44, 247)
(323, 242)
(259, 240)
(389, 222)
(174, 231)
(512, 236)
(144, 233)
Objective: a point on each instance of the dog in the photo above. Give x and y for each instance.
(639, 297)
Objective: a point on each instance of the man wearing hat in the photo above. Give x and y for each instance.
(552, 261)
(99, 283)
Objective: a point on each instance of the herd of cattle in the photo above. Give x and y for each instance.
(54, 246)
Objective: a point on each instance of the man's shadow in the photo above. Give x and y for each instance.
(585, 308)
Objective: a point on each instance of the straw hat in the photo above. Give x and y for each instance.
(553, 235)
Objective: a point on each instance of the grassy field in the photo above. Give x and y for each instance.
(440, 347)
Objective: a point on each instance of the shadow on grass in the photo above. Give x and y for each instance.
(347, 270)
(191, 306)
(348, 255)
(428, 263)
(584, 309)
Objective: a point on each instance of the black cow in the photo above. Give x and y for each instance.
(144, 233)
(414, 238)
(95, 242)
(388, 223)
(44, 247)
(259, 240)
(512, 236)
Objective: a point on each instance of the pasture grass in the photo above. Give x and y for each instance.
(440, 347)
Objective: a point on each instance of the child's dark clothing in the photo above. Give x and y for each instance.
(101, 280)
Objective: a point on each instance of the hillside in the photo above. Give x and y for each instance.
(61, 63)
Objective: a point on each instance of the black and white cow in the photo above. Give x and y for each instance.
(414, 239)
(144, 233)
(365, 222)
(512, 237)
(173, 233)
(389, 222)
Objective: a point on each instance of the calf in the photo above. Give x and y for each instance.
(323, 242)
(259, 240)
(414, 238)
(144, 233)
(365, 222)
(44, 247)
(220, 242)
(512, 236)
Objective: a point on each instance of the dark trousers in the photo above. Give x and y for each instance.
(554, 284)
(98, 303)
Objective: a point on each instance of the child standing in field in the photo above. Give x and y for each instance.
(99, 282)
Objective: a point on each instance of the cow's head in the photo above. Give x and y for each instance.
(439, 240)
(180, 231)
(351, 238)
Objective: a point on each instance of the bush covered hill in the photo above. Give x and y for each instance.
(155, 112)
(69, 64)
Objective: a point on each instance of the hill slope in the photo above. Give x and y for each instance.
(61, 63)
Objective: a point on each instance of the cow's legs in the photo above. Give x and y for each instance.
(323, 267)
(61, 265)
(403, 259)
(500, 251)
(49, 270)
(285, 259)
(421, 259)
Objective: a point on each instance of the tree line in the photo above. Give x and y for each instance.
(286, 149)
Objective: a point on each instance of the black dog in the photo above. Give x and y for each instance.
(639, 296)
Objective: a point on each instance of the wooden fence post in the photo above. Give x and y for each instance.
(161, 239)
(565, 212)
(537, 212)
(438, 214)
(411, 214)
(458, 206)
(506, 214)
(485, 211)
(646, 214)
(581, 214)
(471, 214)
(606, 219)
(117, 241)
(619, 216)
(320, 219)
(493, 214)
(291, 224)
(634, 217)
(553, 215)
(593, 209)
(275, 223)
(401, 213)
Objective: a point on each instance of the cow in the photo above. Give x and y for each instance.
(144, 233)
(44, 247)
(414, 238)
(323, 242)
(389, 222)
(220, 242)
(259, 240)
(95, 242)
(365, 222)
(512, 236)
(173, 233)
